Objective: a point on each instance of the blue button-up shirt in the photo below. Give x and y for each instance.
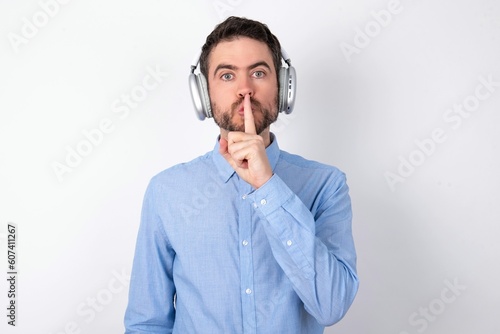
(215, 256)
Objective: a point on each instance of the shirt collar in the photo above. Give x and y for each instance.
(226, 171)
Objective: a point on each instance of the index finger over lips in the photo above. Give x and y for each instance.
(248, 116)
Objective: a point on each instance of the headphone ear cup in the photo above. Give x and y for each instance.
(288, 85)
(205, 98)
(199, 95)
(283, 87)
(291, 87)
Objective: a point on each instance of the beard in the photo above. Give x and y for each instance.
(224, 118)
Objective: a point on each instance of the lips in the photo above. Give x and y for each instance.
(239, 107)
(241, 110)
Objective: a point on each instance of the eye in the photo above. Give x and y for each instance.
(259, 74)
(227, 76)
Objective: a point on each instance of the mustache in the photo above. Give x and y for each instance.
(256, 105)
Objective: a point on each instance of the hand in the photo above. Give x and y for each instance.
(246, 151)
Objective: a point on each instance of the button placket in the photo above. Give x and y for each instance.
(245, 213)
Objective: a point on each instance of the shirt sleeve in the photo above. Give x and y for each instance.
(316, 253)
(151, 296)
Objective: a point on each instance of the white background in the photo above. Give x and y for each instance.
(363, 112)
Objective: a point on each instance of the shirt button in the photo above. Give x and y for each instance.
(263, 202)
(245, 243)
(248, 291)
(289, 242)
(244, 197)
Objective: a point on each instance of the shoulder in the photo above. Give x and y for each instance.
(302, 174)
(317, 184)
(180, 173)
(289, 160)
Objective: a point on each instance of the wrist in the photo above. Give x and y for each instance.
(262, 181)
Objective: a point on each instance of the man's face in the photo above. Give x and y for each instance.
(236, 68)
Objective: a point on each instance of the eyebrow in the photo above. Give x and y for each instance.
(234, 68)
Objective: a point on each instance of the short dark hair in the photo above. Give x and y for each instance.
(234, 27)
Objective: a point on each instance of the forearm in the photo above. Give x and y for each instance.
(151, 297)
(316, 253)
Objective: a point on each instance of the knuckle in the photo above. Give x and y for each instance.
(258, 141)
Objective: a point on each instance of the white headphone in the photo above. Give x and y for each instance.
(201, 100)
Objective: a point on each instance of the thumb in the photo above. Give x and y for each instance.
(223, 148)
(223, 145)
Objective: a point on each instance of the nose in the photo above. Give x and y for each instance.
(245, 87)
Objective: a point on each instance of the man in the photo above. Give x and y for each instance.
(247, 238)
